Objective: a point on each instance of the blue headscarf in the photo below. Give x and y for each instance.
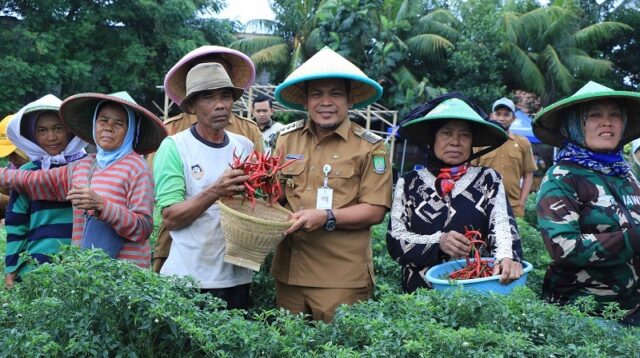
(574, 148)
(106, 157)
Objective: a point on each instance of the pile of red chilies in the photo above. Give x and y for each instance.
(477, 268)
(263, 182)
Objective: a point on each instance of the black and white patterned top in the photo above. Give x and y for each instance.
(420, 216)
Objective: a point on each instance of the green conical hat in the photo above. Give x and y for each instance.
(547, 123)
(327, 64)
(485, 133)
(78, 110)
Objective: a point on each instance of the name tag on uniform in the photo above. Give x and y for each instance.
(325, 198)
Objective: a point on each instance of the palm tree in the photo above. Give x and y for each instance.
(548, 50)
(290, 39)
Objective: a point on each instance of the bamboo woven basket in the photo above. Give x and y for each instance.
(251, 234)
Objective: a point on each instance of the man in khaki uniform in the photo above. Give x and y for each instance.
(513, 159)
(242, 74)
(338, 187)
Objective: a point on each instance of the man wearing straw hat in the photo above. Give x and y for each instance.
(191, 174)
(338, 187)
(242, 73)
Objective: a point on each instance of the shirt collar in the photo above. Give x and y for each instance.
(342, 130)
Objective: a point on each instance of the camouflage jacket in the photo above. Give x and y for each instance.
(594, 249)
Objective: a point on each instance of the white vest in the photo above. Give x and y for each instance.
(197, 250)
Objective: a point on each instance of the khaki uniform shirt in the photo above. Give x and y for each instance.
(512, 160)
(237, 124)
(360, 173)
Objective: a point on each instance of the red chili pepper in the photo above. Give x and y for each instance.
(477, 268)
(262, 169)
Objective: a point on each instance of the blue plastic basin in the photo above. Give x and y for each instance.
(487, 284)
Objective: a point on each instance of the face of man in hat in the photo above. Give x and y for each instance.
(212, 107)
(111, 126)
(603, 126)
(504, 116)
(328, 102)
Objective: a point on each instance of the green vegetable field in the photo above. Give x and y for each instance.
(88, 305)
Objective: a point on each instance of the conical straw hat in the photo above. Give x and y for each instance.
(77, 112)
(327, 64)
(485, 133)
(242, 72)
(547, 123)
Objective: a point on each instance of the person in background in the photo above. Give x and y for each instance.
(635, 157)
(262, 112)
(538, 174)
(242, 72)
(39, 228)
(338, 187)
(588, 205)
(111, 191)
(434, 206)
(15, 159)
(513, 160)
(191, 172)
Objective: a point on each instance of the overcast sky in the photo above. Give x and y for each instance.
(245, 10)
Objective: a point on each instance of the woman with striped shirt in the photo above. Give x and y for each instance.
(111, 191)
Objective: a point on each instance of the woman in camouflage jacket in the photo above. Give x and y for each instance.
(589, 201)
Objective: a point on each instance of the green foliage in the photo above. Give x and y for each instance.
(476, 67)
(535, 253)
(624, 56)
(552, 51)
(291, 37)
(86, 304)
(66, 47)
(398, 43)
(530, 212)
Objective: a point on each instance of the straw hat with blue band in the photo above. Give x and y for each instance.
(242, 70)
(323, 65)
(77, 112)
(547, 123)
(485, 133)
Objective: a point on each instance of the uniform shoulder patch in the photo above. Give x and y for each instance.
(366, 135)
(292, 127)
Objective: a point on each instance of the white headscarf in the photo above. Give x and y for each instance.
(73, 150)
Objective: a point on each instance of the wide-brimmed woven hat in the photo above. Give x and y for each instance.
(78, 110)
(205, 77)
(547, 123)
(242, 70)
(485, 133)
(6, 147)
(327, 64)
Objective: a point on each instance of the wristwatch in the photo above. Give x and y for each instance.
(331, 221)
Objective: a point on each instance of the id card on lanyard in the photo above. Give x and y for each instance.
(324, 199)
